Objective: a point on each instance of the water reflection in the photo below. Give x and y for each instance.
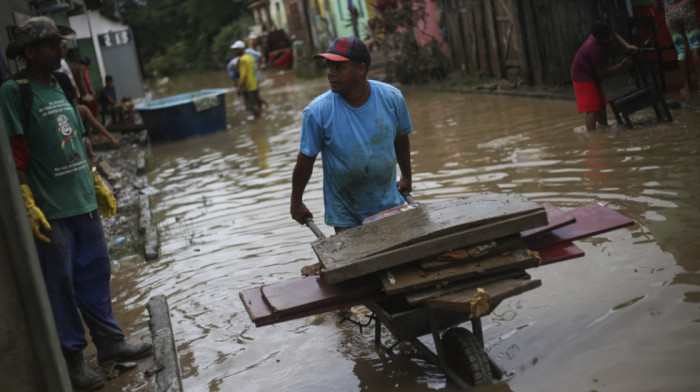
(622, 318)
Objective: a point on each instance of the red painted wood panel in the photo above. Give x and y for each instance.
(561, 252)
(556, 218)
(590, 220)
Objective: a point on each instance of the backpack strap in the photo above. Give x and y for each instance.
(64, 82)
(25, 94)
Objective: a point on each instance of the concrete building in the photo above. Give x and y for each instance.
(100, 36)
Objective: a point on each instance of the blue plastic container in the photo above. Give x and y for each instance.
(185, 115)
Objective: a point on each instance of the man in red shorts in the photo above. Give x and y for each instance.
(589, 69)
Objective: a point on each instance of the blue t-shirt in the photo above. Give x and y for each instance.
(357, 148)
(107, 92)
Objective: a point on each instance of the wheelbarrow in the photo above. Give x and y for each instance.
(459, 352)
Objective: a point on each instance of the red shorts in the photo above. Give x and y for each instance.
(589, 97)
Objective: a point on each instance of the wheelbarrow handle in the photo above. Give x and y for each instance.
(406, 195)
(311, 225)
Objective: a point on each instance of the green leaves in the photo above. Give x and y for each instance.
(175, 35)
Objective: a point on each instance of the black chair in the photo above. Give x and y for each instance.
(641, 27)
(648, 92)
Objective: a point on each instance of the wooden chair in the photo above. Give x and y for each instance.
(642, 31)
(648, 92)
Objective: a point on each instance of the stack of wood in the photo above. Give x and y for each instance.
(452, 246)
(435, 256)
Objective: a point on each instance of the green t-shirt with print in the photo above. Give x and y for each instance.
(59, 174)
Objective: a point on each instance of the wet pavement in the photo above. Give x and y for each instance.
(624, 317)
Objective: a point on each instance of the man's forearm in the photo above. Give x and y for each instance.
(402, 145)
(623, 42)
(300, 176)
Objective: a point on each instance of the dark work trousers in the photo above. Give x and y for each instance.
(76, 271)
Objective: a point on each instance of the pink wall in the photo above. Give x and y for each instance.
(430, 26)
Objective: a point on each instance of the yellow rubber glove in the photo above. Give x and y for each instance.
(106, 202)
(36, 217)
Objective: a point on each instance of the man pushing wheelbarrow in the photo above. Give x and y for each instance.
(361, 128)
(422, 269)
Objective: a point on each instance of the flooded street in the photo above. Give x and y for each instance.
(626, 317)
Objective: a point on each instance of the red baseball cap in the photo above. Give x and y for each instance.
(347, 49)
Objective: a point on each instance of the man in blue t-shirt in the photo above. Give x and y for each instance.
(361, 129)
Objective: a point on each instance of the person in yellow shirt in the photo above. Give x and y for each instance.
(248, 82)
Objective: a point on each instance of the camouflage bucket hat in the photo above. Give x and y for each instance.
(36, 29)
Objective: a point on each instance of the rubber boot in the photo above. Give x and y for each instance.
(82, 376)
(120, 350)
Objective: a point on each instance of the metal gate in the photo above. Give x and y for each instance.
(121, 61)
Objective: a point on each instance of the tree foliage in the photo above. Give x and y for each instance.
(185, 35)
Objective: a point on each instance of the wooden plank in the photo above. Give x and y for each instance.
(341, 271)
(420, 224)
(561, 252)
(306, 296)
(519, 41)
(455, 35)
(556, 218)
(255, 304)
(480, 37)
(493, 49)
(414, 298)
(476, 252)
(498, 291)
(312, 292)
(468, 27)
(411, 276)
(590, 220)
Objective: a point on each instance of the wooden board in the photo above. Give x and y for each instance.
(556, 218)
(590, 220)
(412, 277)
(417, 297)
(429, 221)
(561, 252)
(498, 291)
(313, 292)
(301, 297)
(475, 252)
(255, 304)
(341, 271)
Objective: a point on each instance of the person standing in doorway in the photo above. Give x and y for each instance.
(590, 67)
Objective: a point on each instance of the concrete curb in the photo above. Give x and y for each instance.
(151, 247)
(164, 350)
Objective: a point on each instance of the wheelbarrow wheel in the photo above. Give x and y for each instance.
(465, 355)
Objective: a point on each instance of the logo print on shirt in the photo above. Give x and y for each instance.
(342, 46)
(65, 129)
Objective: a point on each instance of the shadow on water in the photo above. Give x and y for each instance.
(625, 317)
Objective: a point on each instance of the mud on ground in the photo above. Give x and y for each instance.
(124, 169)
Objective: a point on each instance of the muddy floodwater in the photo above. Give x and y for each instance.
(626, 317)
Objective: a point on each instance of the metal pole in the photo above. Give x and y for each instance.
(24, 263)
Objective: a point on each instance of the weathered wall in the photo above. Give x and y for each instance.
(533, 39)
